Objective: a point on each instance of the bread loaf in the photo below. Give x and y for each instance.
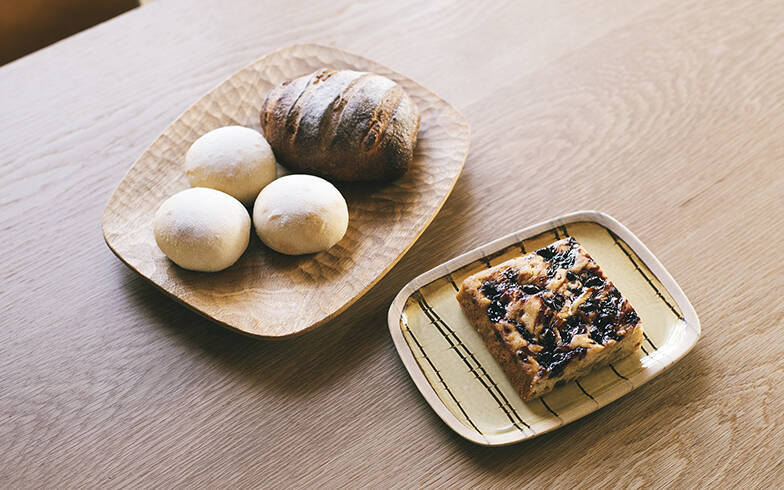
(341, 125)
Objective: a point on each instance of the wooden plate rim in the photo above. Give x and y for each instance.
(462, 121)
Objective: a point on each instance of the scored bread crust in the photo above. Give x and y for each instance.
(344, 125)
(545, 327)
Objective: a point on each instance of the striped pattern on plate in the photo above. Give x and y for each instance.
(464, 384)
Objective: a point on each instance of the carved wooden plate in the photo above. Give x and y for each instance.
(464, 384)
(266, 294)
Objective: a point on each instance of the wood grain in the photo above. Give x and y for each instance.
(267, 294)
(666, 115)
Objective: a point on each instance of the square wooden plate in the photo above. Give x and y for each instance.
(266, 294)
(456, 374)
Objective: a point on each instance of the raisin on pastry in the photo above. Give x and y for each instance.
(550, 316)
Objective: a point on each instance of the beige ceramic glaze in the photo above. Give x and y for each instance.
(465, 385)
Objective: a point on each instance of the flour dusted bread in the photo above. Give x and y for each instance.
(300, 214)
(550, 316)
(342, 125)
(202, 229)
(232, 159)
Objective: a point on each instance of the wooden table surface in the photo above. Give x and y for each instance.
(665, 114)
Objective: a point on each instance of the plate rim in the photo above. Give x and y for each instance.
(463, 121)
(691, 320)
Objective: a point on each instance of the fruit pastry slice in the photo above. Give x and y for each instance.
(550, 316)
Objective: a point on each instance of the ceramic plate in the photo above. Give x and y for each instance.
(464, 384)
(266, 294)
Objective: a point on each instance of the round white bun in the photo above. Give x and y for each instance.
(202, 229)
(232, 159)
(300, 214)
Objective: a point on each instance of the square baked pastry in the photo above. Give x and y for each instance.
(550, 316)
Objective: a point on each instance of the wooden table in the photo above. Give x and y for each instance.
(667, 115)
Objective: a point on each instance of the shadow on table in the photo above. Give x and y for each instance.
(320, 358)
(602, 440)
(303, 364)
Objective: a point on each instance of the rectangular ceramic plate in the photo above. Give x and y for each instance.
(466, 387)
